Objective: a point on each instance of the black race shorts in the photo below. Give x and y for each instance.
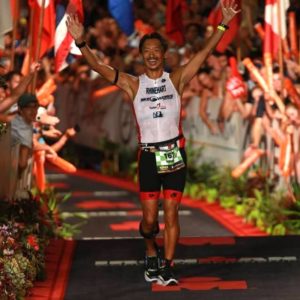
(151, 182)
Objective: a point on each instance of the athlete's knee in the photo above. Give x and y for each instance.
(171, 218)
(171, 223)
(151, 233)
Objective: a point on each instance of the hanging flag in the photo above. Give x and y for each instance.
(64, 46)
(48, 26)
(174, 25)
(215, 18)
(122, 12)
(5, 20)
(273, 20)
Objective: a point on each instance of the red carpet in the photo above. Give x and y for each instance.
(59, 256)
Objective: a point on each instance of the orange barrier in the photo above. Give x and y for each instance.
(286, 156)
(44, 94)
(26, 64)
(39, 160)
(255, 72)
(261, 81)
(259, 29)
(62, 164)
(269, 70)
(286, 48)
(277, 139)
(249, 161)
(293, 33)
(104, 91)
(295, 97)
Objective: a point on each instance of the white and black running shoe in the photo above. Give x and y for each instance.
(151, 273)
(166, 276)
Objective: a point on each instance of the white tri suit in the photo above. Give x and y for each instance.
(162, 158)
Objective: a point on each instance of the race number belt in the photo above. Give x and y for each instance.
(167, 154)
(168, 161)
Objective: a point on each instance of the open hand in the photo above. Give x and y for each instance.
(75, 27)
(229, 10)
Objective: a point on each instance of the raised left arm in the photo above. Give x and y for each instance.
(183, 75)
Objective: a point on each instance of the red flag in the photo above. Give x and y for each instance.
(174, 25)
(48, 26)
(272, 30)
(215, 18)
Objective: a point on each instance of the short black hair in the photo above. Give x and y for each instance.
(205, 69)
(151, 36)
(26, 99)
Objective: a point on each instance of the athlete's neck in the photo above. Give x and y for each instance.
(154, 74)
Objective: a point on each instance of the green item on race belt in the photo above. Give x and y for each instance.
(168, 161)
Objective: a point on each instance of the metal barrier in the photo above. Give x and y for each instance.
(12, 187)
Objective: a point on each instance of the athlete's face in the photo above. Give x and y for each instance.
(153, 54)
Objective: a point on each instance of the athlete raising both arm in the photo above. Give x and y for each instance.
(162, 159)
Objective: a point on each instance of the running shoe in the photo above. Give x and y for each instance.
(166, 276)
(151, 273)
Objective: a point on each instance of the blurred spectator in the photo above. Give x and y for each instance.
(22, 129)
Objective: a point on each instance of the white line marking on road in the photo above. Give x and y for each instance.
(122, 213)
(101, 238)
(196, 261)
(97, 193)
(110, 193)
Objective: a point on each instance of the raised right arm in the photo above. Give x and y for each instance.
(123, 80)
(20, 89)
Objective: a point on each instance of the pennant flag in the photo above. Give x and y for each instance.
(5, 20)
(215, 18)
(273, 20)
(48, 26)
(174, 25)
(64, 46)
(122, 12)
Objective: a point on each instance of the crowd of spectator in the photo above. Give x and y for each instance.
(211, 84)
